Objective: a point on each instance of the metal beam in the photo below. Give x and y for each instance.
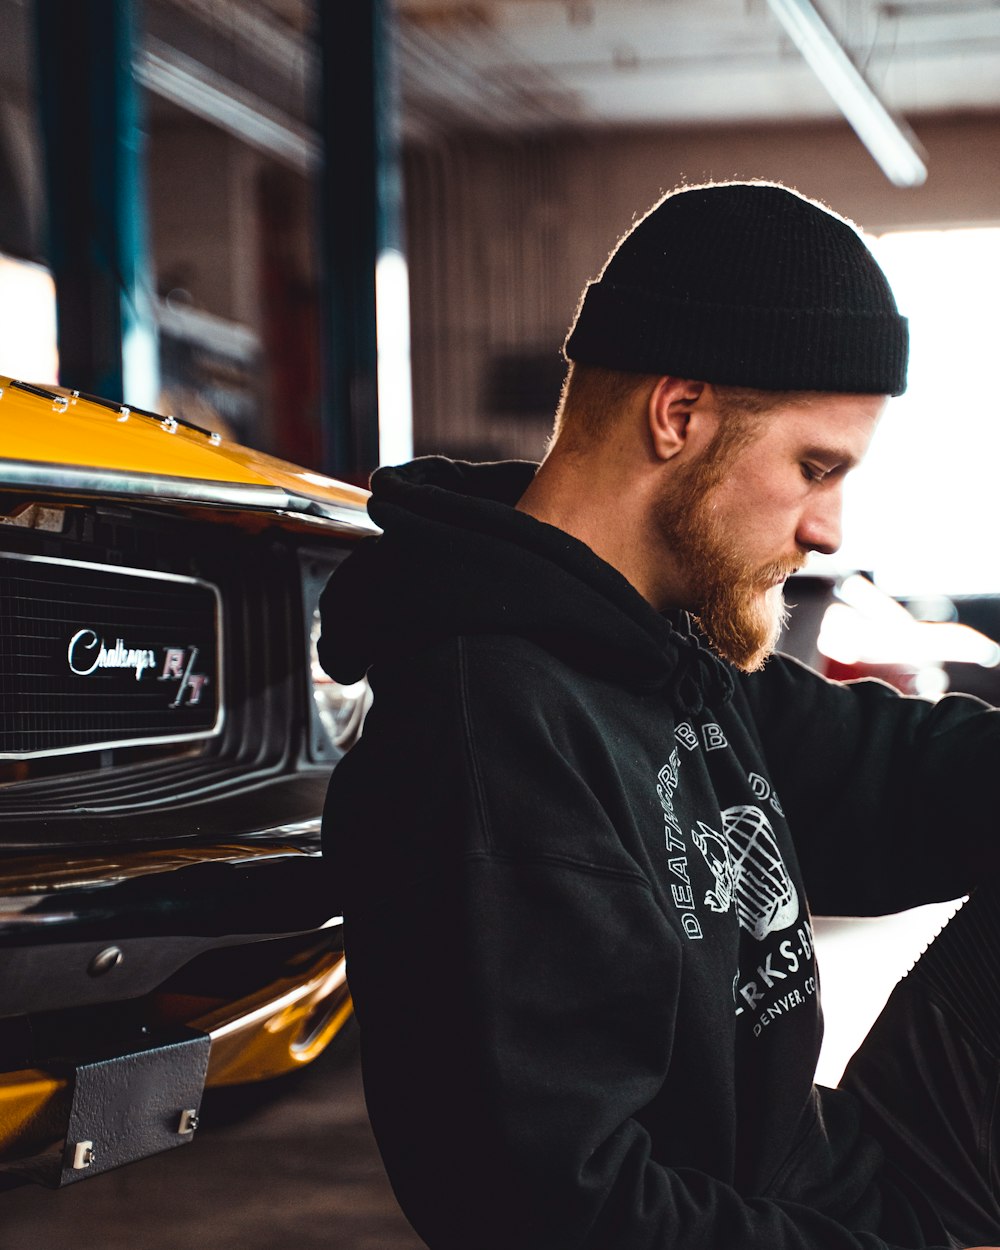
(358, 217)
(96, 195)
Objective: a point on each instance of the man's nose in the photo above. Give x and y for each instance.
(820, 524)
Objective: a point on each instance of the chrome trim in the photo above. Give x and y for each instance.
(148, 575)
(343, 514)
(31, 876)
(48, 892)
(338, 974)
(104, 482)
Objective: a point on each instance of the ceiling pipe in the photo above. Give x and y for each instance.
(890, 141)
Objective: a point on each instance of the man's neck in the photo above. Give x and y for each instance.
(611, 516)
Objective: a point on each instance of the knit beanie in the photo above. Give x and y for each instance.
(745, 284)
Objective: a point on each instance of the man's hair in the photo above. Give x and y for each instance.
(594, 399)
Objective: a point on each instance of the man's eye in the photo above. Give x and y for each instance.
(812, 474)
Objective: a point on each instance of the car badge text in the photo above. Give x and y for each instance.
(87, 652)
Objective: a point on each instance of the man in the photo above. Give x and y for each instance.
(581, 837)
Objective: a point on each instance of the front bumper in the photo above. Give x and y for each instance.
(213, 964)
(54, 1134)
(159, 908)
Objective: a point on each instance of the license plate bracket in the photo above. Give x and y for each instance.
(129, 1106)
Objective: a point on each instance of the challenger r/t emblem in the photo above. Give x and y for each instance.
(87, 653)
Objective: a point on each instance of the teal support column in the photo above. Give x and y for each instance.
(96, 192)
(359, 217)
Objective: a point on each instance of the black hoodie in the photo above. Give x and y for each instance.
(577, 855)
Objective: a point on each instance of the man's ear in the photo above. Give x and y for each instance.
(669, 412)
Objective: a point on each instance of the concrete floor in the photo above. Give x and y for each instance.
(297, 1168)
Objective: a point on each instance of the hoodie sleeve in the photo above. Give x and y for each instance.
(516, 985)
(892, 800)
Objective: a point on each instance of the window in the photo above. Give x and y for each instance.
(921, 513)
(27, 322)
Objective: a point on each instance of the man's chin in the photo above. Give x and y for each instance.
(755, 662)
(746, 633)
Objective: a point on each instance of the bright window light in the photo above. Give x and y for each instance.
(395, 405)
(27, 322)
(921, 513)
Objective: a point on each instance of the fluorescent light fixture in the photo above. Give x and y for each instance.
(201, 91)
(889, 140)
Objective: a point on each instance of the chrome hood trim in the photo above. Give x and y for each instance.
(122, 484)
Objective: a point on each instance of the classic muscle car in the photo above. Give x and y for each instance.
(165, 742)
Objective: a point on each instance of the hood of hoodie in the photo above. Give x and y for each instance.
(456, 558)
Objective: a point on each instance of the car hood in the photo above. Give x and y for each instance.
(59, 438)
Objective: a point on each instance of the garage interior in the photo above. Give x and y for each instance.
(482, 156)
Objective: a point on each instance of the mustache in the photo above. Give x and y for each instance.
(779, 570)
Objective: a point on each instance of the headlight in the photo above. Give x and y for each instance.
(336, 712)
(342, 709)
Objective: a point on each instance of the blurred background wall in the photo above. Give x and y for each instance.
(503, 234)
(523, 135)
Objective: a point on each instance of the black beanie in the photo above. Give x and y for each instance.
(745, 284)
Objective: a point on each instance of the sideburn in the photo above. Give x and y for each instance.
(738, 621)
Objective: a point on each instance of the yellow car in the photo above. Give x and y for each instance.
(166, 736)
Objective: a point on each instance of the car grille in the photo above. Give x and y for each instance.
(160, 581)
(92, 656)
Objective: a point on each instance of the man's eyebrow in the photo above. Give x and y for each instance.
(840, 457)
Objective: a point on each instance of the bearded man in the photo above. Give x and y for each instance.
(581, 838)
